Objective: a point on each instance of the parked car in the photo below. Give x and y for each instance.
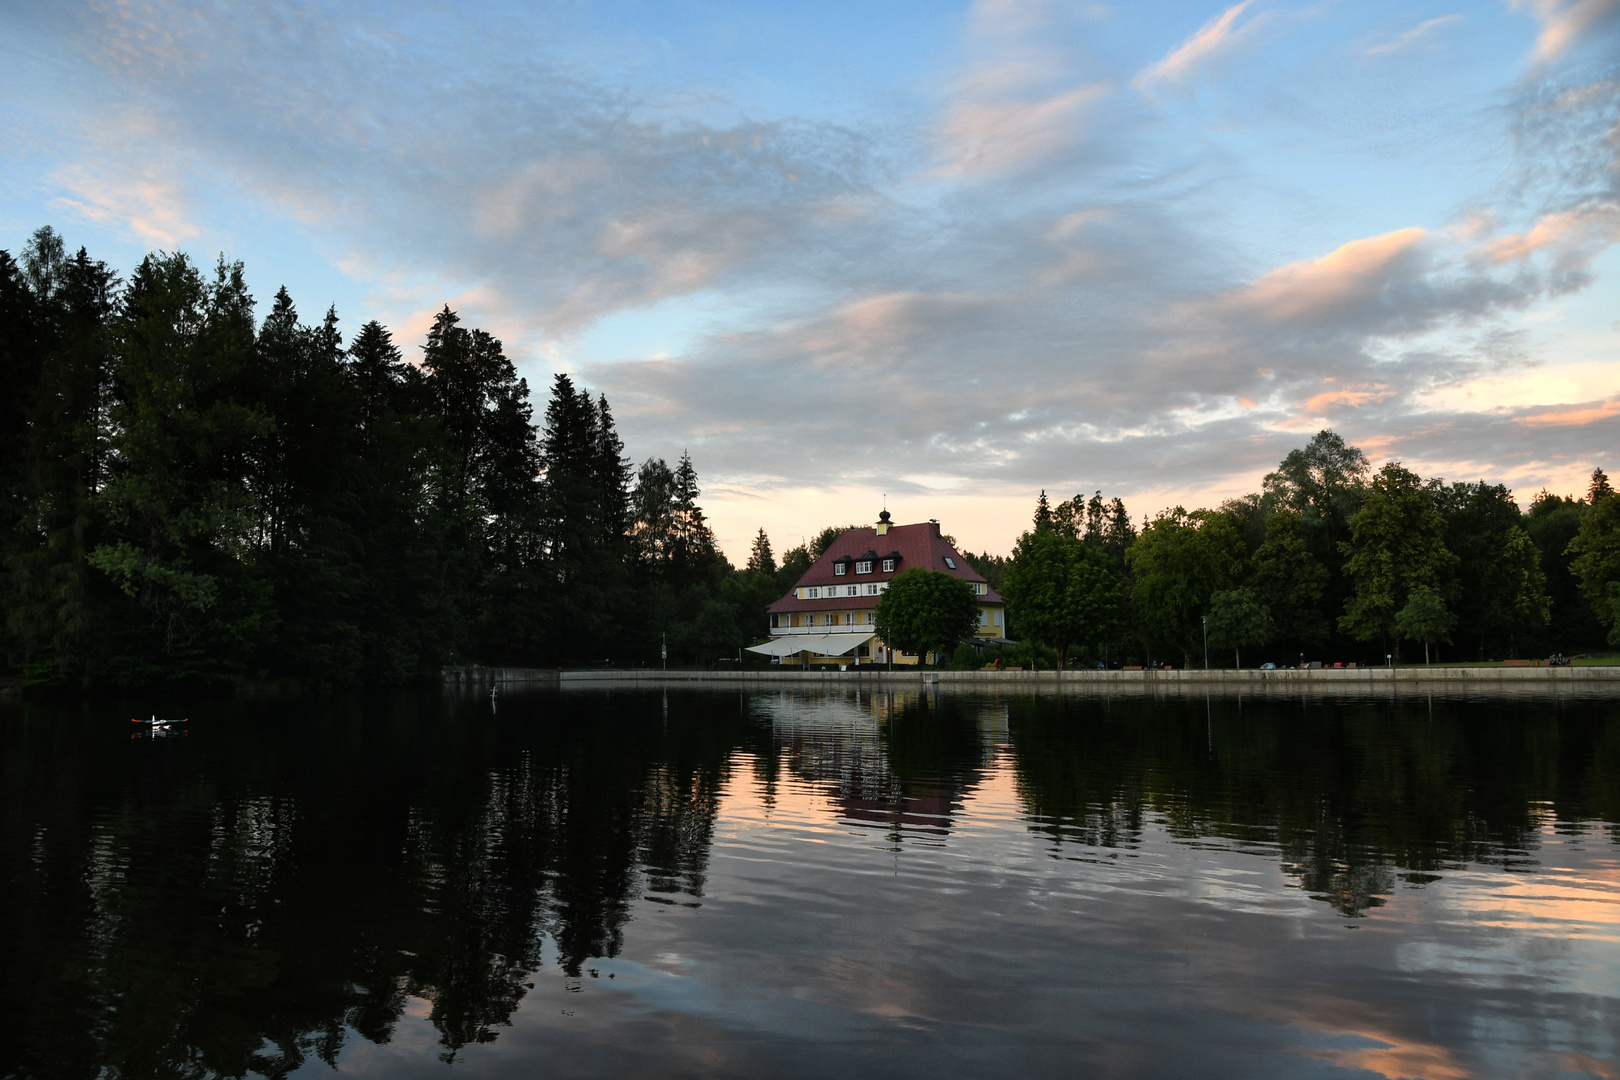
(1268, 667)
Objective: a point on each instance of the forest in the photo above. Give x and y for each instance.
(1331, 561)
(192, 492)
(189, 492)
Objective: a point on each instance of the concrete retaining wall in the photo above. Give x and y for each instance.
(1326, 679)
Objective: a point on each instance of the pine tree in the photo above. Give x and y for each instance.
(760, 559)
(1043, 513)
(180, 520)
(695, 555)
(1599, 488)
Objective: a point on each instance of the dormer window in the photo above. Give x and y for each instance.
(815, 593)
(888, 566)
(950, 562)
(864, 566)
(838, 568)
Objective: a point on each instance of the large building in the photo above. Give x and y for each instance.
(827, 617)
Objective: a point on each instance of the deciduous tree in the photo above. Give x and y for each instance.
(1396, 545)
(925, 610)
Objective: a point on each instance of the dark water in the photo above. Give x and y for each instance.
(718, 884)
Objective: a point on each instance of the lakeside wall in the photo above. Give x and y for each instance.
(1326, 679)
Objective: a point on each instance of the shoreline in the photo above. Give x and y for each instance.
(1323, 679)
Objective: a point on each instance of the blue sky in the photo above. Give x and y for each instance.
(949, 254)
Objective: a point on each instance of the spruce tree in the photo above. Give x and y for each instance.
(760, 559)
(1599, 488)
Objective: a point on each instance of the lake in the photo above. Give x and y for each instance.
(875, 883)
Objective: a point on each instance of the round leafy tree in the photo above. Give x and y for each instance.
(1060, 591)
(925, 609)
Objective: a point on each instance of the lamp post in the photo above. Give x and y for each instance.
(1205, 620)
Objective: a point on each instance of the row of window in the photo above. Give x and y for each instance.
(863, 566)
(823, 618)
(827, 592)
(987, 617)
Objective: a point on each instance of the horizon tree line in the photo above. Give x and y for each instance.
(190, 493)
(1329, 561)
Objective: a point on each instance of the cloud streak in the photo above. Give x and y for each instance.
(1408, 38)
(1189, 59)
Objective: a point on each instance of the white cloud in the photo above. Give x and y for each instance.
(1564, 22)
(1408, 38)
(1220, 35)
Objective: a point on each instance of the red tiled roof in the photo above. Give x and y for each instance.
(917, 545)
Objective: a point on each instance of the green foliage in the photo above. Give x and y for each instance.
(824, 540)
(1237, 619)
(760, 559)
(1178, 563)
(1289, 581)
(1499, 585)
(1425, 618)
(925, 610)
(1595, 557)
(993, 568)
(187, 494)
(1572, 626)
(1060, 592)
(1396, 545)
(795, 564)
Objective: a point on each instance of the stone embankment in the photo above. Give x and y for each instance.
(1322, 679)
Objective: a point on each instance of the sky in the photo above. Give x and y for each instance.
(934, 256)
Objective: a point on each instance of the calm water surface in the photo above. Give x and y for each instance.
(725, 884)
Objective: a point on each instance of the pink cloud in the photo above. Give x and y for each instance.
(1347, 277)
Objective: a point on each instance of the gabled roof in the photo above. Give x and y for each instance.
(914, 545)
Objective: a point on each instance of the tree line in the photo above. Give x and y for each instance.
(1332, 561)
(190, 492)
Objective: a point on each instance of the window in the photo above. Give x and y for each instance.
(984, 616)
(838, 568)
(814, 593)
(852, 590)
(872, 589)
(864, 566)
(980, 587)
(950, 562)
(888, 566)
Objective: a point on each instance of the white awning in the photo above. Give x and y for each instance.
(819, 644)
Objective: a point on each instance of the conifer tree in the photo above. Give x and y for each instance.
(1599, 488)
(180, 519)
(760, 559)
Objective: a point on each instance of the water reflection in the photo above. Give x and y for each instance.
(294, 875)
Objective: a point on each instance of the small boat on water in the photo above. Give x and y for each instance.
(155, 724)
